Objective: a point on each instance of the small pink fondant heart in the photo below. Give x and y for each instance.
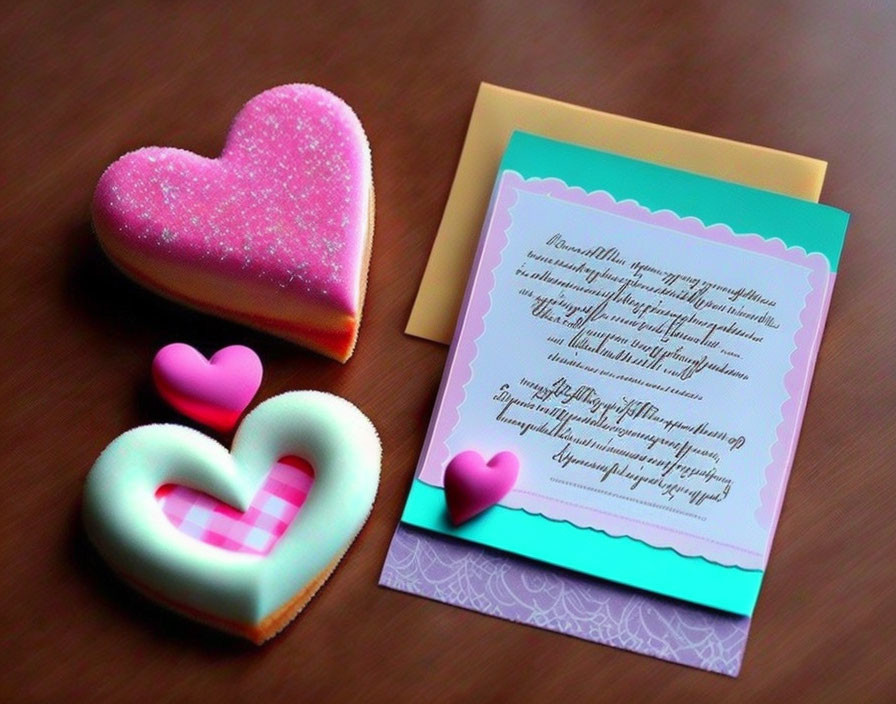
(473, 485)
(213, 391)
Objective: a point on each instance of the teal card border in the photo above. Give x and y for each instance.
(624, 560)
(798, 223)
(813, 227)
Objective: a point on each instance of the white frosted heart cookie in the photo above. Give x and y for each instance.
(199, 557)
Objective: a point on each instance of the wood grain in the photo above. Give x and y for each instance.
(84, 82)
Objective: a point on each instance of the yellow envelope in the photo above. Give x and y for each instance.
(499, 111)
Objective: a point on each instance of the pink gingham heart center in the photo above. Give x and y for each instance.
(255, 530)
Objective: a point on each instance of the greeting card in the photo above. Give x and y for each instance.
(642, 339)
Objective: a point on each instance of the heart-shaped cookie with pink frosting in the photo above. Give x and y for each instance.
(274, 233)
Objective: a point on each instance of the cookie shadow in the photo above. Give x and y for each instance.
(122, 602)
(101, 296)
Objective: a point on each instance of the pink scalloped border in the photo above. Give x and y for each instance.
(477, 302)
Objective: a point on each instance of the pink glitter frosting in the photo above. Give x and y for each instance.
(286, 208)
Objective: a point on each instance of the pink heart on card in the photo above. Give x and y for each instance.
(213, 391)
(472, 485)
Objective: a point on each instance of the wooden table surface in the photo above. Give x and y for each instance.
(84, 82)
